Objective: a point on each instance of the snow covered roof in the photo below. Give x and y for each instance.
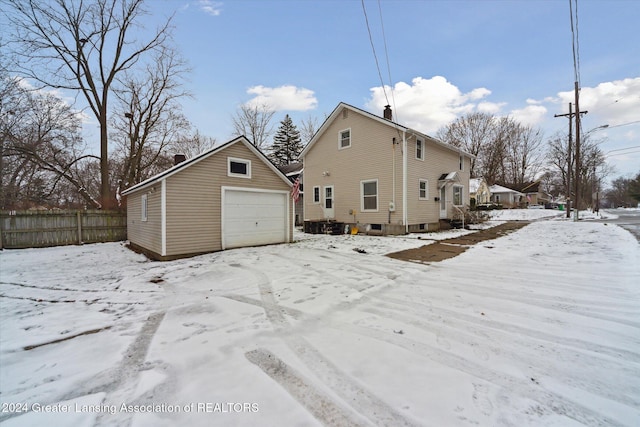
(495, 188)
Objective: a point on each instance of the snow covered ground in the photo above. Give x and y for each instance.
(541, 327)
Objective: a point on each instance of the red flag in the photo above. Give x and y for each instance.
(295, 191)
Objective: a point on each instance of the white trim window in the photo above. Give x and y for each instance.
(369, 195)
(239, 168)
(144, 208)
(316, 195)
(423, 189)
(328, 197)
(461, 162)
(457, 195)
(344, 139)
(419, 149)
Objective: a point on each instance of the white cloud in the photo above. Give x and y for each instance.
(531, 115)
(613, 103)
(285, 97)
(213, 8)
(429, 104)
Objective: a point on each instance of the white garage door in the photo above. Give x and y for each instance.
(252, 218)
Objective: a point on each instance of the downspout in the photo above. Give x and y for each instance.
(405, 216)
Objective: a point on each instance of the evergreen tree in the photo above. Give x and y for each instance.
(287, 144)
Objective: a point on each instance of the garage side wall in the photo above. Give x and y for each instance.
(193, 205)
(145, 234)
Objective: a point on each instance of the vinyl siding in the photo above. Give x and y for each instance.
(438, 160)
(370, 157)
(194, 199)
(146, 234)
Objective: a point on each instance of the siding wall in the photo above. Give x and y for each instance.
(194, 199)
(146, 234)
(372, 156)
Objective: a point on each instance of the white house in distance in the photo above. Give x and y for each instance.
(506, 197)
(479, 191)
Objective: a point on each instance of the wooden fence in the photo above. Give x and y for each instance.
(37, 229)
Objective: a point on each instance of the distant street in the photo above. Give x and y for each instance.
(629, 219)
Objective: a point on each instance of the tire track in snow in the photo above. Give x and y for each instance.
(557, 403)
(468, 335)
(318, 403)
(361, 400)
(450, 315)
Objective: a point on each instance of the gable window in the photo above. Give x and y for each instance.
(238, 167)
(419, 149)
(344, 139)
(143, 208)
(423, 189)
(369, 192)
(457, 195)
(316, 194)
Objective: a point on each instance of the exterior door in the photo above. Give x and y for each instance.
(443, 202)
(253, 218)
(328, 207)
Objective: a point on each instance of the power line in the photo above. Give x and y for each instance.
(386, 53)
(366, 18)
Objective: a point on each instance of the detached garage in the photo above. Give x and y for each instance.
(228, 197)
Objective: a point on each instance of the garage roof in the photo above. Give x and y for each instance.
(202, 156)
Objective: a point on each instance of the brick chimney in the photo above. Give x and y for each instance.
(179, 158)
(387, 112)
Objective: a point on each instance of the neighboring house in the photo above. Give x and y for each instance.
(533, 194)
(295, 171)
(228, 197)
(479, 191)
(506, 197)
(367, 171)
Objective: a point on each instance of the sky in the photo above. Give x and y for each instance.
(442, 58)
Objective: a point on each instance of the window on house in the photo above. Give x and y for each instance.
(461, 162)
(423, 189)
(239, 167)
(345, 139)
(419, 149)
(143, 209)
(328, 197)
(457, 195)
(316, 194)
(369, 191)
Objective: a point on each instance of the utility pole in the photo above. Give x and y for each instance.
(570, 115)
(577, 175)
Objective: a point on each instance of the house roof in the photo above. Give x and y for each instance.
(204, 155)
(474, 184)
(379, 119)
(292, 168)
(495, 188)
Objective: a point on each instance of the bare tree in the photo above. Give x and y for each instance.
(41, 149)
(475, 134)
(254, 122)
(147, 117)
(192, 144)
(308, 128)
(523, 154)
(82, 46)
